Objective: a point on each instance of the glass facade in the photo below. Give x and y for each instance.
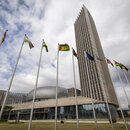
(67, 112)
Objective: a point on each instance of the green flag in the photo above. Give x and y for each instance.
(29, 42)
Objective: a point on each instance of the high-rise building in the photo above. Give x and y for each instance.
(87, 40)
(12, 98)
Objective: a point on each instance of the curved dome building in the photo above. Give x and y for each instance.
(48, 92)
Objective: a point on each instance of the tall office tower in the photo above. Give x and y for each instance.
(87, 39)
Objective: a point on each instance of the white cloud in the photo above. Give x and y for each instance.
(122, 97)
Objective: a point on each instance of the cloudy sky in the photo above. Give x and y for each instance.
(53, 21)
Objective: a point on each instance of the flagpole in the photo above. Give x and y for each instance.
(126, 79)
(56, 88)
(123, 87)
(75, 92)
(9, 116)
(35, 89)
(108, 107)
(3, 105)
(0, 43)
(119, 104)
(91, 93)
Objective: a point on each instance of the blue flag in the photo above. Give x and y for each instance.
(89, 56)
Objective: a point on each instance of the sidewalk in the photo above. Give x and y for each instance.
(74, 121)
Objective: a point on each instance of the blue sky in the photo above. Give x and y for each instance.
(53, 21)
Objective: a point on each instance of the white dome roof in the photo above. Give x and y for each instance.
(48, 92)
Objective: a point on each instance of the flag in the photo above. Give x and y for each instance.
(89, 56)
(4, 36)
(74, 53)
(29, 42)
(121, 65)
(116, 63)
(44, 45)
(98, 58)
(64, 47)
(109, 62)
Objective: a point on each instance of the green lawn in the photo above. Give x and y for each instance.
(66, 126)
(120, 119)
